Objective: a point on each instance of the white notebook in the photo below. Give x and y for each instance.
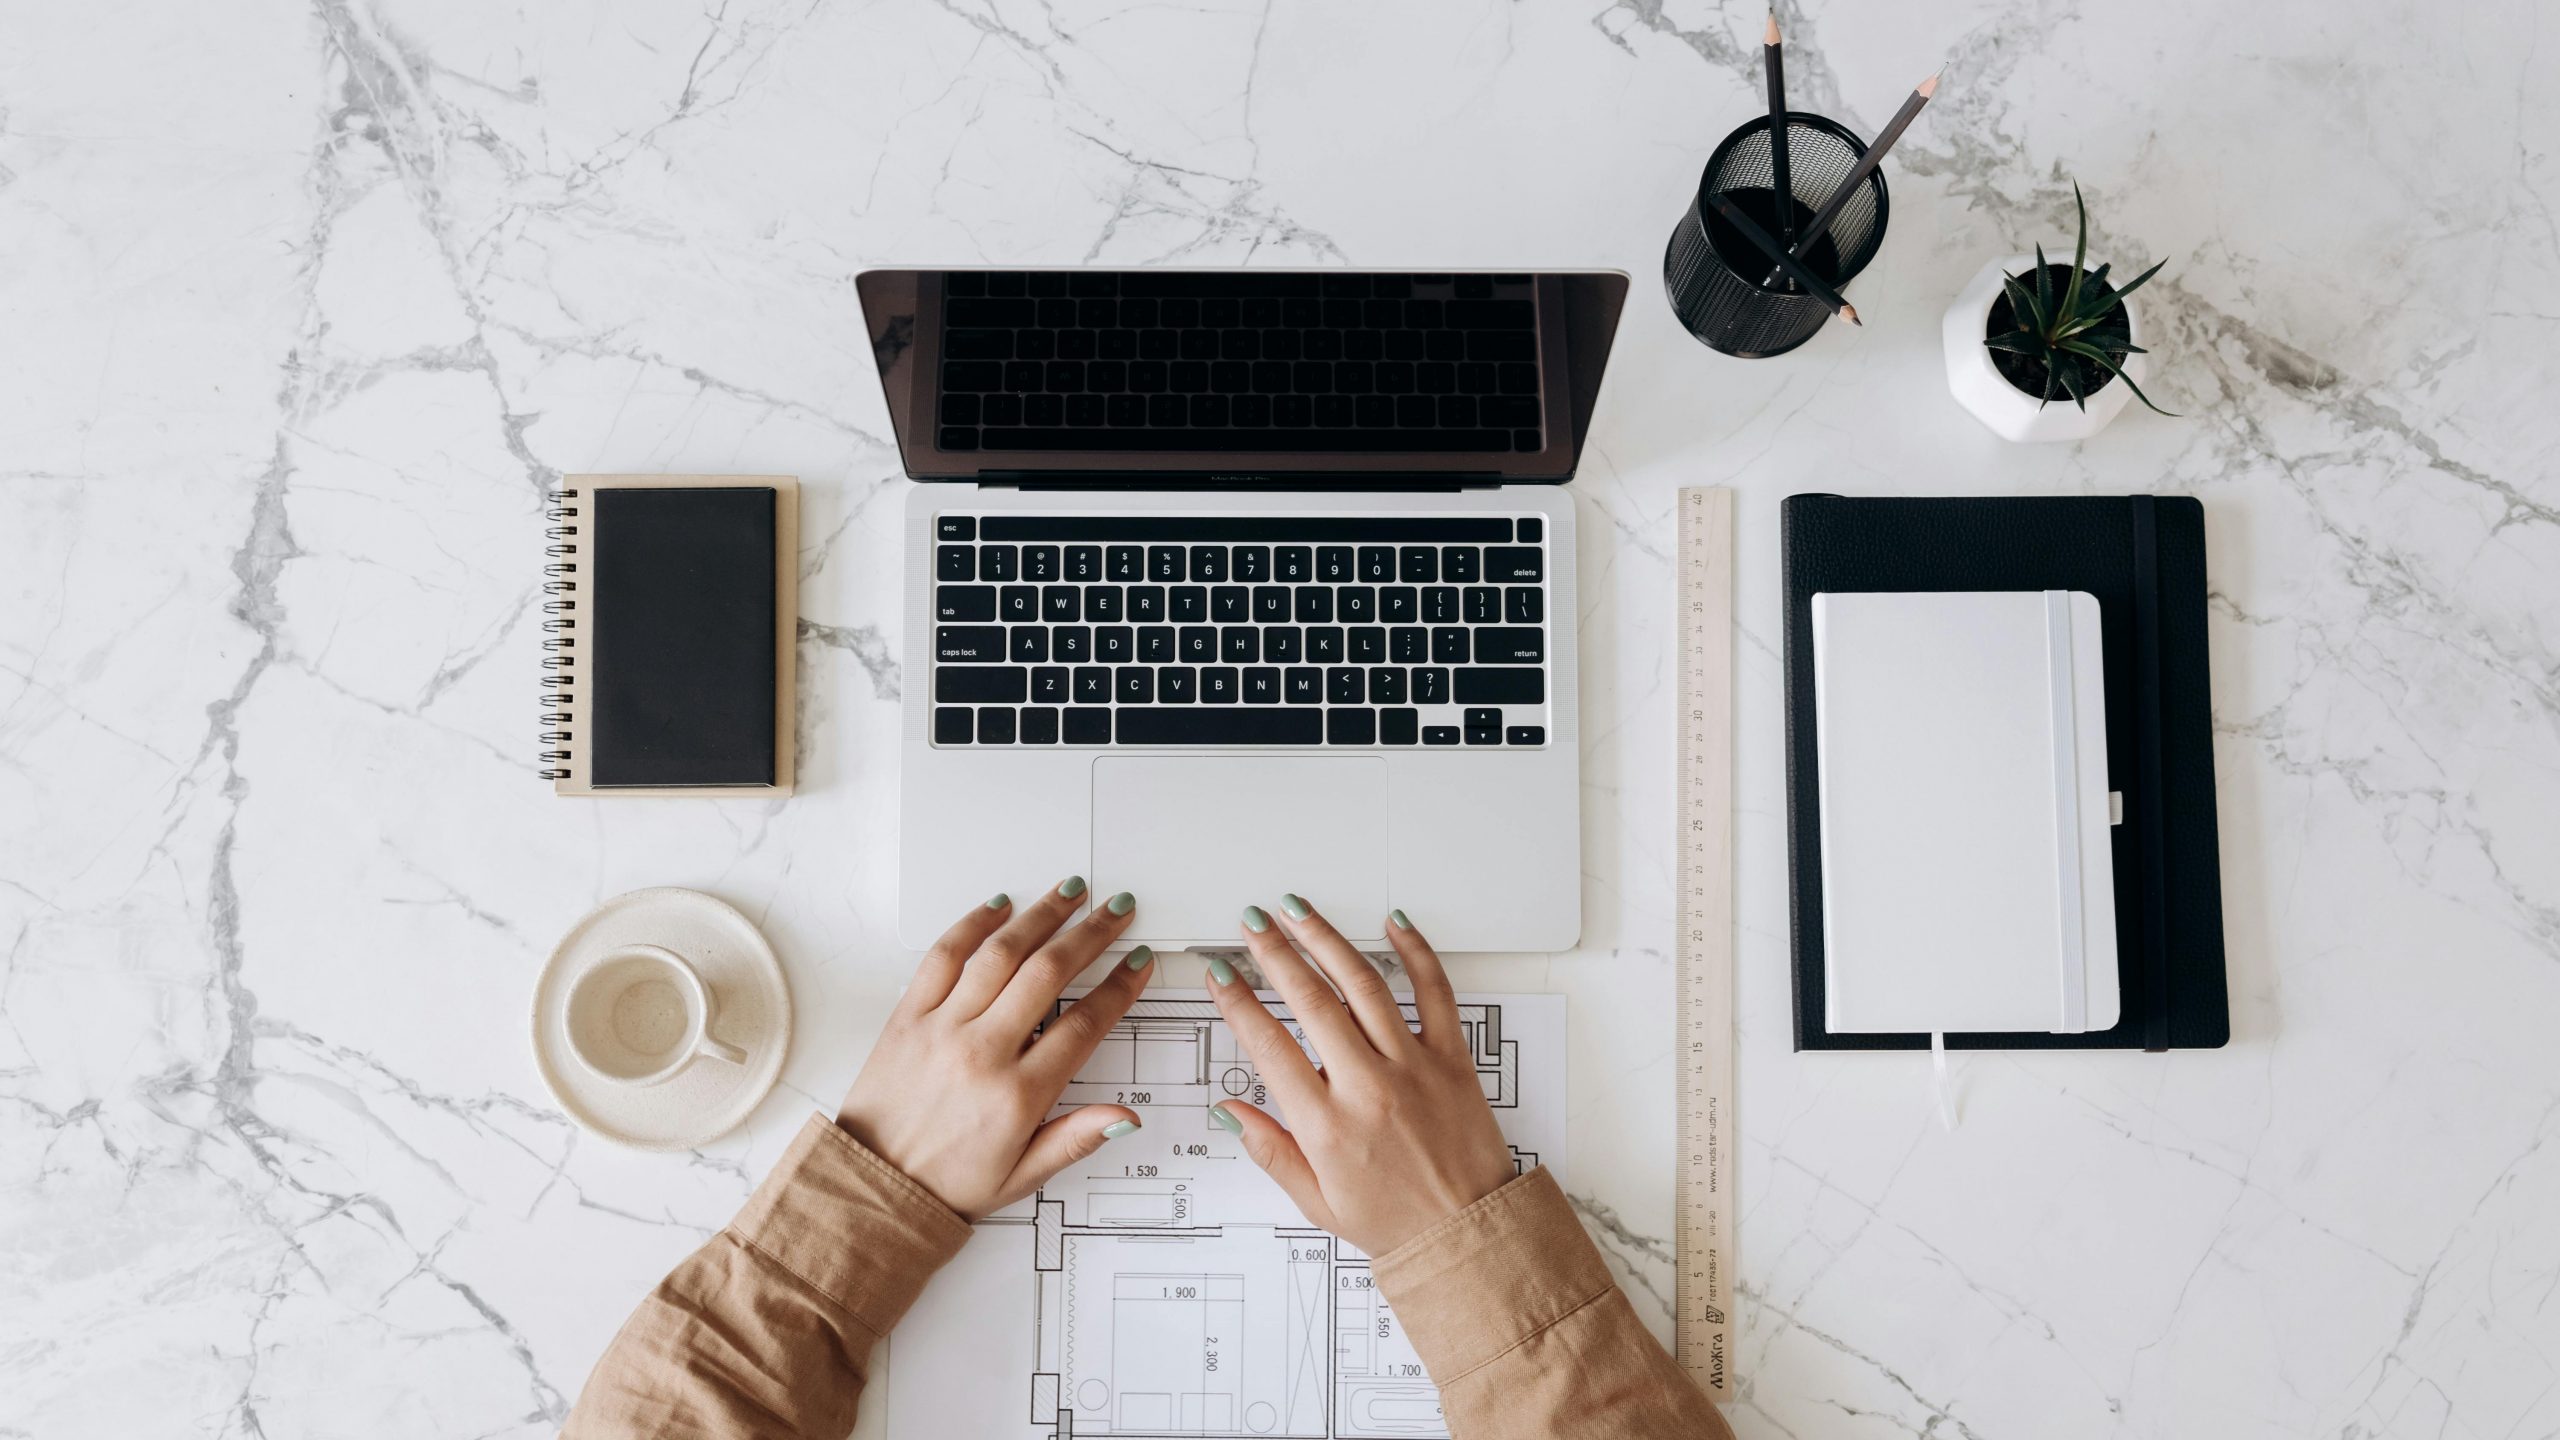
(1967, 883)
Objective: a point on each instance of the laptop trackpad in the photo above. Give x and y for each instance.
(1197, 839)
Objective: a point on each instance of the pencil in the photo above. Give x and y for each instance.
(1777, 253)
(1859, 172)
(1773, 56)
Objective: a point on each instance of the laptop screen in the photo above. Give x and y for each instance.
(1240, 376)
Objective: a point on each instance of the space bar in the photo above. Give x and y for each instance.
(1197, 725)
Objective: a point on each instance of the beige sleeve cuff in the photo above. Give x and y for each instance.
(851, 1224)
(1492, 1276)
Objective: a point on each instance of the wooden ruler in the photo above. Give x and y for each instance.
(1703, 952)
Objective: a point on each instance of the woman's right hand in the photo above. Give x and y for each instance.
(1392, 1134)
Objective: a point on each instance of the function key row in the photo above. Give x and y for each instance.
(1243, 564)
(1240, 529)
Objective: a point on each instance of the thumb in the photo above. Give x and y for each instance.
(1269, 1144)
(1061, 1142)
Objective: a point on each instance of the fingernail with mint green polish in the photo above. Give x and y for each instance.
(1118, 1128)
(1398, 917)
(1256, 919)
(1140, 958)
(1297, 908)
(1072, 886)
(1221, 971)
(1122, 903)
(1000, 901)
(1226, 1120)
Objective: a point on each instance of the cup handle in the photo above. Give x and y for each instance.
(720, 1049)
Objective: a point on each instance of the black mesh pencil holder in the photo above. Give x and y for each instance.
(1719, 282)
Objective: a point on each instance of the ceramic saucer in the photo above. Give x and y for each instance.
(709, 1097)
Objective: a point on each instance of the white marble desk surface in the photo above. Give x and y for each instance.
(303, 305)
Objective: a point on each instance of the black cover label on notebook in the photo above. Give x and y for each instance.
(682, 674)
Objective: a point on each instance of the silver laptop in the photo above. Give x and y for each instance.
(1228, 583)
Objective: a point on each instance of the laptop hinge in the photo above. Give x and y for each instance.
(1403, 482)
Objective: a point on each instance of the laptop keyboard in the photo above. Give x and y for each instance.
(1240, 630)
(1157, 360)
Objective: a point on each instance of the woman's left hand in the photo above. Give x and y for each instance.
(957, 1093)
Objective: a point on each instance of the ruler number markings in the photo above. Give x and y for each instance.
(1705, 938)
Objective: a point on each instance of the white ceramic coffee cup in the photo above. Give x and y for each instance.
(640, 1015)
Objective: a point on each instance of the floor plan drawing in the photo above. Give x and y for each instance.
(1166, 1288)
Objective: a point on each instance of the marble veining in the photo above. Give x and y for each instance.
(308, 304)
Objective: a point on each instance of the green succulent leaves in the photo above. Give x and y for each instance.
(2086, 322)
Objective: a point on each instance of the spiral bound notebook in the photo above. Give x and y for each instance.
(669, 618)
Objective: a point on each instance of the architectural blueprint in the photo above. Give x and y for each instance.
(1165, 1289)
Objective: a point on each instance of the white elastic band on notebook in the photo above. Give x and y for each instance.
(2065, 729)
(1941, 1084)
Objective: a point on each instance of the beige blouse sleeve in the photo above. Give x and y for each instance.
(767, 1330)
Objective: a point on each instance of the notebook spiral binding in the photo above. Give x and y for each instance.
(559, 625)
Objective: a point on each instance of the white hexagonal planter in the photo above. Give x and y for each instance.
(2011, 413)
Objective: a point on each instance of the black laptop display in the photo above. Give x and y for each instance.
(1211, 373)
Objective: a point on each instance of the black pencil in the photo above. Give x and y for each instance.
(1777, 253)
(1858, 173)
(1773, 56)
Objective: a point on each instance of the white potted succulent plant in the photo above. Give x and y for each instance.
(2027, 332)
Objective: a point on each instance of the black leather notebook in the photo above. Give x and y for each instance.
(2142, 557)
(674, 641)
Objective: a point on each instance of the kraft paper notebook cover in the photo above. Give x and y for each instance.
(670, 618)
(2142, 559)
